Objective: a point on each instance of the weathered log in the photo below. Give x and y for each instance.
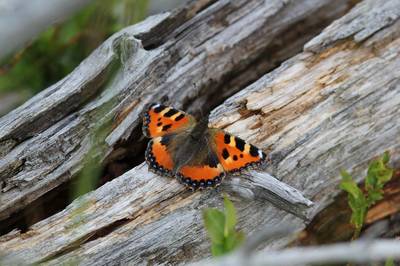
(43, 143)
(319, 112)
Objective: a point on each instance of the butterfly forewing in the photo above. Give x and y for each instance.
(234, 153)
(160, 120)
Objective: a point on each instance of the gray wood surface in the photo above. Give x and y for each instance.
(333, 106)
(189, 57)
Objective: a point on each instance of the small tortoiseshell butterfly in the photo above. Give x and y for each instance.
(198, 156)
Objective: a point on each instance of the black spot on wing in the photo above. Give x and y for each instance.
(171, 112)
(179, 117)
(159, 108)
(227, 139)
(235, 158)
(239, 143)
(225, 154)
(166, 127)
(159, 124)
(253, 151)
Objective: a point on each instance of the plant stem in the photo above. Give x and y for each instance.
(356, 234)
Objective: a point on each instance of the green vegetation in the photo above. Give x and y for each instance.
(221, 229)
(389, 262)
(360, 200)
(58, 50)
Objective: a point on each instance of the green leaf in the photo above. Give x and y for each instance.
(371, 180)
(217, 249)
(377, 175)
(229, 242)
(374, 196)
(357, 217)
(385, 175)
(234, 240)
(348, 185)
(386, 157)
(230, 216)
(221, 229)
(356, 200)
(214, 221)
(358, 207)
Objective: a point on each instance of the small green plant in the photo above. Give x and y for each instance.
(221, 229)
(389, 262)
(359, 201)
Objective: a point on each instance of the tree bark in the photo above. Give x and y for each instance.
(333, 106)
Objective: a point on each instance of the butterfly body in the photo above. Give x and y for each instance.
(197, 155)
(188, 146)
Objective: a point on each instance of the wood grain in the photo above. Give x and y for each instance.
(186, 57)
(333, 106)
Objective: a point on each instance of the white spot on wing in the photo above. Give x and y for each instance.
(260, 154)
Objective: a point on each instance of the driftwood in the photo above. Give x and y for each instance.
(333, 106)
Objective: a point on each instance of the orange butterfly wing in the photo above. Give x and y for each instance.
(234, 153)
(221, 153)
(160, 120)
(158, 158)
(200, 172)
(201, 176)
(203, 171)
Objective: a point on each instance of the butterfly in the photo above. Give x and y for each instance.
(198, 156)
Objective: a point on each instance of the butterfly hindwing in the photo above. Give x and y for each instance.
(160, 120)
(200, 171)
(234, 153)
(158, 158)
(203, 171)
